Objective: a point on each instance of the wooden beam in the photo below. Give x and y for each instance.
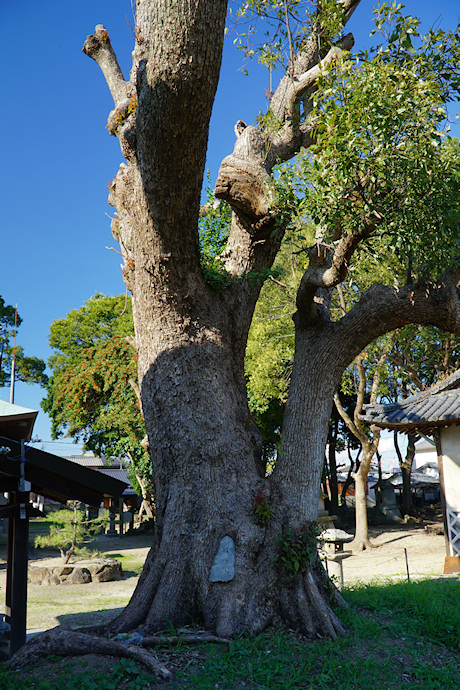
(57, 478)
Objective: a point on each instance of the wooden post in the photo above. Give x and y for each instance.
(437, 438)
(9, 560)
(121, 517)
(112, 532)
(20, 573)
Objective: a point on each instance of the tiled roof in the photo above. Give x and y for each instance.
(87, 460)
(95, 461)
(116, 473)
(115, 470)
(437, 406)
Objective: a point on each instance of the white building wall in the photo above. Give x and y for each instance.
(424, 452)
(450, 446)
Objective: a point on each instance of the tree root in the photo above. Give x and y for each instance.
(305, 607)
(64, 642)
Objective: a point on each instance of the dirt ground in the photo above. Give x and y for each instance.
(82, 605)
(425, 555)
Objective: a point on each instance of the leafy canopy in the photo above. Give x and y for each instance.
(379, 157)
(69, 528)
(89, 394)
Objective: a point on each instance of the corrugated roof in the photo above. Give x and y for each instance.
(437, 406)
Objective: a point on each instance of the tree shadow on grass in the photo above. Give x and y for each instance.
(88, 619)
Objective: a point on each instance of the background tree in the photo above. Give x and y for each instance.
(367, 379)
(190, 338)
(92, 393)
(26, 369)
(69, 529)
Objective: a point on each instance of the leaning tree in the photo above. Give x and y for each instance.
(233, 548)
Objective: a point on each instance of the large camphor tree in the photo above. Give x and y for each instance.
(215, 507)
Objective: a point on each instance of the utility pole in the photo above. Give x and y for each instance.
(13, 362)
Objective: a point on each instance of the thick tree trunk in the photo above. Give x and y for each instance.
(207, 475)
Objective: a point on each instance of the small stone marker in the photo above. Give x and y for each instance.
(223, 568)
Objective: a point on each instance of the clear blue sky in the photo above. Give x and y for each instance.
(57, 157)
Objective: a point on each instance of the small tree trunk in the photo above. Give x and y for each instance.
(333, 486)
(407, 507)
(361, 540)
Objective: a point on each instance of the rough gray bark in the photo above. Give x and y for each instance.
(191, 340)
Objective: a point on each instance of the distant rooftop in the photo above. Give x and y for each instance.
(95, 461)
(438, 406)
(111, 467)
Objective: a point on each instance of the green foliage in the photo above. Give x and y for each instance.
(284, 27)
(27, 369)
(297, 548)
(69, 529)
(430, 353)
(98, 320)
(89, 394)
(262, 512)
(213, 231)
(382, 155)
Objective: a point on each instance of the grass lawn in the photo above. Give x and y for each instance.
(399, 635)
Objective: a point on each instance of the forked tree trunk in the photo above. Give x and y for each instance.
(207, 474)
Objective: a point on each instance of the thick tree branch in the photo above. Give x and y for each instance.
(98, 47)
(294, 134)
(326, 269)
(383, 309)
(244, 175)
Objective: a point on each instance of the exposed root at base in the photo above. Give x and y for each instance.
(64, 642)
